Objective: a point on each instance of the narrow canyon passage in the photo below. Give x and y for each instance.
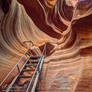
(66, 27)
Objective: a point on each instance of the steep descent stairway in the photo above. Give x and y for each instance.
(28, 75)
(32, 68)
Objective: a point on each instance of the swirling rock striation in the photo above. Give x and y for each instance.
(67, 30)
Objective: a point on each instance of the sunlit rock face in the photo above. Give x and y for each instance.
(72, 2)
(66, 27)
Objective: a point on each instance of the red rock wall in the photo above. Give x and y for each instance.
(66, 29)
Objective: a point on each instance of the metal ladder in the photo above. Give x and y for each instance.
(30, 71)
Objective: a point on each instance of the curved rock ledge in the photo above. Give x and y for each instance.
(66, 27)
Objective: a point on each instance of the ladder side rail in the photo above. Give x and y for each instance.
(35, 82)
(13, 68)
(38, 74)
(44, 50)
(14, 80)
(41, 63)
(39, 69)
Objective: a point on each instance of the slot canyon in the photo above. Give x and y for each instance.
(65, 26)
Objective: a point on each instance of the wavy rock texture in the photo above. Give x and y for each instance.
(66, 27)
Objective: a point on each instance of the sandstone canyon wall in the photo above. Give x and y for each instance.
(66, 27)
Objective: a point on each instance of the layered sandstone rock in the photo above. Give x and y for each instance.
(66, 29)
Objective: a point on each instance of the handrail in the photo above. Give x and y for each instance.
(13, 68)
(13, 81)
(43, 53)
(44, 50)
(38, 67)
(16, 63)
(37, 70)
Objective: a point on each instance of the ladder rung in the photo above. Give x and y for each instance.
(26, 70)
(35, 57)
(34, 61)
(23, 76)
(31, 64)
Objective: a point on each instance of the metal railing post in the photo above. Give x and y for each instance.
(18, 68)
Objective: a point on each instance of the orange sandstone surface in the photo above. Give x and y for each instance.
(66, 27)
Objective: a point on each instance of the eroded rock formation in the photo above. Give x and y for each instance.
(66, 27)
